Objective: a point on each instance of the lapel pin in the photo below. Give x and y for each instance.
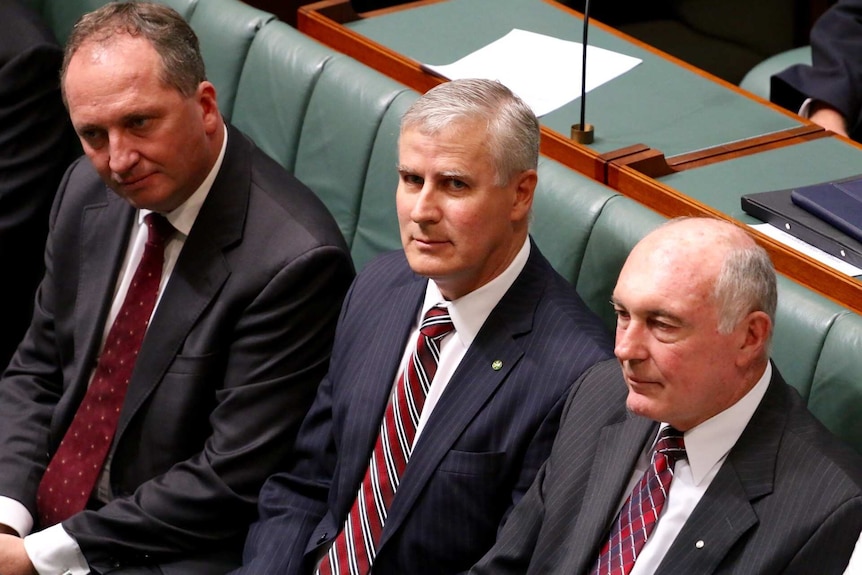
(497, 365)
(699, 544)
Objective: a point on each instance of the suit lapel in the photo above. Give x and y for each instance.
(198, 275)
(619, 447)
(474, 381)
(396, 314)
(103, 245)
(726, 511)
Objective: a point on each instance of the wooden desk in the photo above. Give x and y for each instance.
(637, 112)
(710, 110)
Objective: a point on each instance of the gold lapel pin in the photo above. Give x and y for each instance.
(497, 365)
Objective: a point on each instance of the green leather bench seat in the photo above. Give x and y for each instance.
(334, 123)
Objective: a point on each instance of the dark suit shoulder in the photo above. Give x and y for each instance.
(277, 198)
(558, 314)
(819, 450)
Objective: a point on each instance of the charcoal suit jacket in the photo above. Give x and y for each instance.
(787, 500)
(231, 360)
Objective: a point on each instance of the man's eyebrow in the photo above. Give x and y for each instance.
(454, 174)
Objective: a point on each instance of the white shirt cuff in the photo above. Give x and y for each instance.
(805, 108)
(15, 515)
(53, 551)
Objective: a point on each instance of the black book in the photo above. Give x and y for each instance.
(777, 208)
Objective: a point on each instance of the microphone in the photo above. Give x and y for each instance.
(583, 133)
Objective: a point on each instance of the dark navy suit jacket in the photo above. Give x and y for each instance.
(787, 500)
(836, 74)
(481, 448)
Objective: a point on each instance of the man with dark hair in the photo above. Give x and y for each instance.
(182, 327)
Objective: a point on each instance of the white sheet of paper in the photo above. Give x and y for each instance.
(544, 71)
(807, 249)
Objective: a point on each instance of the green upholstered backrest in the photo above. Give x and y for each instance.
(280, 72)
(621, 224)
(565, 209)
(338, 135)
(377, 224)
(225, 29)
(836, 391)
(802, 323)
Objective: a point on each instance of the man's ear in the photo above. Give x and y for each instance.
(525, 187)
(756, 330)
(206, 97)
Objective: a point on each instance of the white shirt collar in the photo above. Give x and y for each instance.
(470, 311)
(709, 442)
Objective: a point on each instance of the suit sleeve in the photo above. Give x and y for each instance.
(593, 402)
(292, 503)
(836, 74)
(30, 390)
(831, 545)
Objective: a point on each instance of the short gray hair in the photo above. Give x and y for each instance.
(746, 283)
(171, 36)
(512, 127)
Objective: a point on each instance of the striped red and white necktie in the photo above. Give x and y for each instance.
(354, 549)
(642, 509)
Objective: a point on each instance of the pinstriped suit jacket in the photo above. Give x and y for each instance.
(787, 500)
(484, 443)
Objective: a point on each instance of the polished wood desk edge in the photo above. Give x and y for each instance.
(652, 163)
(804, 270)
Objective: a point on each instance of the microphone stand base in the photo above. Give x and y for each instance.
(582, 135)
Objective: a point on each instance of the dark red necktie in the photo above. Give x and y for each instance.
(642, 509)
(72, 473)
(354, 549)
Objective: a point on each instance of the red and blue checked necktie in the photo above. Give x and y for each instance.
(74, 469)
(354, 549)
(643, 507)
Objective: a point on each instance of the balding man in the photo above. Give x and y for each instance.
(716, 465)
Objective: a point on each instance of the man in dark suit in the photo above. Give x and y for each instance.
(468, 152)
(249, 270)
(37, 144)
(758, 485)
(833, 82)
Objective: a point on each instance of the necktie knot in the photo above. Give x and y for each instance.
(437, 323)
(159, 229)
(670, 443)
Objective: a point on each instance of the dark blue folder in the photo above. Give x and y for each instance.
(838, 203)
